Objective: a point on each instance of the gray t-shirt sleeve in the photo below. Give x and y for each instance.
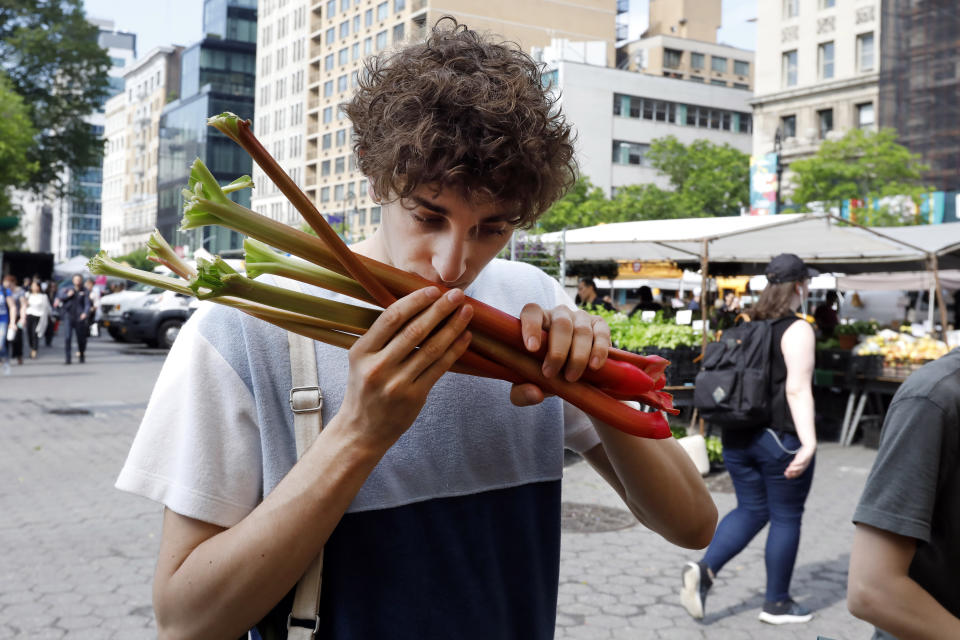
(901, 490)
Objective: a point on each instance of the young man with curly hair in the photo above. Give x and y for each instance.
(439, 516)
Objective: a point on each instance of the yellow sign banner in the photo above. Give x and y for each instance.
(648, 270)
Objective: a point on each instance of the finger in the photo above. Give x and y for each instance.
(533, 321)
(438, 344)
(601, 343)
(580, 348)
(433, 373)
(558, 344)
(525, 395)
(394, 317)
(417, 331)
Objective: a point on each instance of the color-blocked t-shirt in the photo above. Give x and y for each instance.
(913, 486)
(456, 531)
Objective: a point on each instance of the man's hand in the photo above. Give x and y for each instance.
(577, 340)
(83, 316)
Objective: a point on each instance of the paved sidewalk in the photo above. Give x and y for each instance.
(78, 555)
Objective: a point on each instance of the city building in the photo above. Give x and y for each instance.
(217, 74)
(341, 33)
(920, 85)
(69, 225)
(817, 73)
(618, 113)
(681, 42)
(132, 122)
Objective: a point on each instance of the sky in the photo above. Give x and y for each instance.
(180, 21)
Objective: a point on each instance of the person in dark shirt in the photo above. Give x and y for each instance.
(587, 292)
(74, 304)
(905, 557)
(646, 302)
(826, 317)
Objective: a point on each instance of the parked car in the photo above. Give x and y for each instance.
(157, 321)
(113, 305)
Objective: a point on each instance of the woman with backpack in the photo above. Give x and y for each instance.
(771, 465)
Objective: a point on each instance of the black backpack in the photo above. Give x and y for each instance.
(733, 387)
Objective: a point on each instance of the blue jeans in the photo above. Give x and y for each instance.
(764, 495)
(3, 339)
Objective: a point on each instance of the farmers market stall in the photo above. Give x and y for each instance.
(743, 245)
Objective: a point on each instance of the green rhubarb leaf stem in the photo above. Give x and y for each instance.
(101, 264)
(239, 131)
(160, 249)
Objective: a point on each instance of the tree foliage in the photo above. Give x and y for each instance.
(860, 166)
(137, 259)
(705, 179)
(51, 55)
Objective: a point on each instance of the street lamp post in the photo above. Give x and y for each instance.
(777, 146)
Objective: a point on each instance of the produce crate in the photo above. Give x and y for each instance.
(833, 359)
(866, 366)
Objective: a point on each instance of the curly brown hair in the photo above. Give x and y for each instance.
(463, 111)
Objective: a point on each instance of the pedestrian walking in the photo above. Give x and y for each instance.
(93, 290)
(905, 559)
(8, 323)
(74, 310)
(771, 466)
(439, 517)
(38, 312)
(15, 339)
(51, 291)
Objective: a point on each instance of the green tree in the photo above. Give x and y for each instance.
(51, 55)
(137, 259)
(16, 136)
(709, 179)
(859, 166)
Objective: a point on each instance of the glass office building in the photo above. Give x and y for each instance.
(217, 74)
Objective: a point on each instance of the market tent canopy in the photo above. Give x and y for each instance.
(902, 281)
(76, 264)
(749, 242)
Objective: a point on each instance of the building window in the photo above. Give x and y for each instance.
(331, 35)
(341, 137)
(325, 141)
(343, 57)
(791, 8)
(355, 50)
(718, 64)
(325, 194)
(344, 28)
(398, 5)
(825, 60)
(356, 23)
(327, 114)
(740, 85)
(790, 68)
(398, 33)
(338, 192)
(344, 5)
(381, 40)
(696, 79)
(339, 165)
(382, 11)
(630, 153)
(719, 83)
(331, 7)
(672, 58)
(367, 46)
(824, 122)
(865, 115)
(368, 17)
(696, 60)
(328, 62)
(325, 168)
(328, 88)
(865, 52)
(828, 4)
(788, 127)
(741, 67)
(746, 123)
(374, 215)
(342, 83)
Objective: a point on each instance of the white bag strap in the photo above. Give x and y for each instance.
(306, 401)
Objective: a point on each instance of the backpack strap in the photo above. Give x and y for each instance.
(306, 401)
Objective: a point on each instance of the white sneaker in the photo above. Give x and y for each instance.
(6, 367)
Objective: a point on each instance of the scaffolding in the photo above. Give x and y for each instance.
(919, 93)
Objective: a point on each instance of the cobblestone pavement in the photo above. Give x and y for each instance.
(78, 555)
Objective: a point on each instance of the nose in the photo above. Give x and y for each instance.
(449, 259)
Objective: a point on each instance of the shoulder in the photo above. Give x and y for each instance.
(936, 383)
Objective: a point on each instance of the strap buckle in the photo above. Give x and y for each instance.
(303, 623)
(317, 399)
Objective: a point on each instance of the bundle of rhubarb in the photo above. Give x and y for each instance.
(496, 349)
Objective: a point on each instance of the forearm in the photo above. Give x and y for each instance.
(231, 580)
(902, 607)
(661, 486)
(800, 402)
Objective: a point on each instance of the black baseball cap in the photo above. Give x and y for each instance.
(787, 267)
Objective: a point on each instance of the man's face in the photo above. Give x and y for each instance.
(442, 236)
(586, 292)
(77, 281)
